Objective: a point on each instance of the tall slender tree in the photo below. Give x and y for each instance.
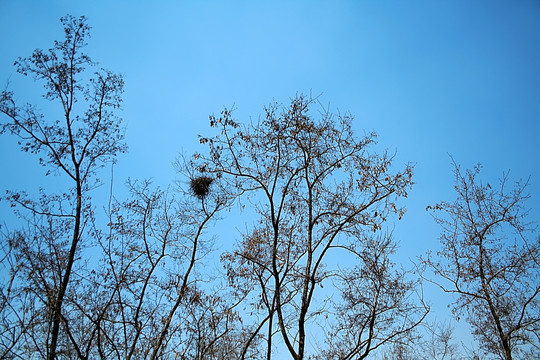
(490, 260)
(73, 142)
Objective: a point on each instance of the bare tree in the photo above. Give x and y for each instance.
(148, 281)
(380, 306)
(439, 344)
(71, 290)
(490, 261)
(318, 191)
(433, 341)
(43, 256)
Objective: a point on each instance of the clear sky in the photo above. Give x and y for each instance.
(431, 77)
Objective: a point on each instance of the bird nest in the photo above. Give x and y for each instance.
(201, 186)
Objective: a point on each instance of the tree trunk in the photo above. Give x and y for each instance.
(57, 311)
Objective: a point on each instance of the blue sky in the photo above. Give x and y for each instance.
(431, 77)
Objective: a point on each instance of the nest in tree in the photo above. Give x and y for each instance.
(201, 186)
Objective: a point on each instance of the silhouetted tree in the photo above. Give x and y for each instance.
(152, 305)
(379, 306)
(71, 290)
(42, 257)
(439, 345)
(491, 261)
(320, 193)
